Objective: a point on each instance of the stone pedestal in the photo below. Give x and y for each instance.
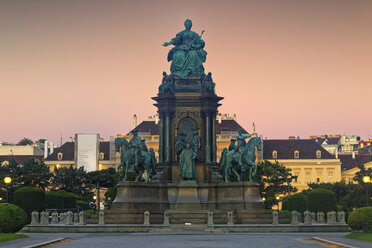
(187, 196)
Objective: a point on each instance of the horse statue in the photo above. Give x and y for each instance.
(146, 160)
(230, 160)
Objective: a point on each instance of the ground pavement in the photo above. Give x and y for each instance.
(193, 240)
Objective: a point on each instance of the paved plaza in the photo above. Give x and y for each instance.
(193, 240)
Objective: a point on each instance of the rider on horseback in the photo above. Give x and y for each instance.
(136, 143)
(241, 145)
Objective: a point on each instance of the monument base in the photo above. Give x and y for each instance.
(187, 196)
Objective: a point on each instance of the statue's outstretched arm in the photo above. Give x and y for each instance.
(176, 40)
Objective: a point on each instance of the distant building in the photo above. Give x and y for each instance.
(20, 159)
(309, 162)
(350, 163)
(328, 142)
(16, 150)
(66, 155)
(364, 143)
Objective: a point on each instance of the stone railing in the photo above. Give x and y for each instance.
(310, 218)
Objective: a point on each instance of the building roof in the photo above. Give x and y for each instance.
(68, 151)
(152, 128)
(228, 126)
(348, 162)
(147, 127)
(330, 141)
(286, 148)
(20, 158)
(365, 150)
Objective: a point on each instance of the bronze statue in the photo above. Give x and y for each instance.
(167, 84)
(187, 55)
(238, 159)
(187, 164)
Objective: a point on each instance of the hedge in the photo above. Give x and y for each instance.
(12, 218)
(30, 199)
(361, 219)
(54, 200)
(296, 202)
(69, 199)
(82, 204)
(321, 200)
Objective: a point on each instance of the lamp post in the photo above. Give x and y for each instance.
(277, 198)
(7, 181)
(95, 203)
(366, 179)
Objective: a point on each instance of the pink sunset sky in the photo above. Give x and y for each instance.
(292, 67)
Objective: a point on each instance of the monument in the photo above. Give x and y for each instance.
(187, 181)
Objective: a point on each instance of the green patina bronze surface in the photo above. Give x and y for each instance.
(187, 55)
(238, 157)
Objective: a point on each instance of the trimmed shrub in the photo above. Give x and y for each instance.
(82, 204)
(30, 199)
(69, 199)
(12, 218)
(285, 213)
(321, 200)
(361, 219)
(296, 202)
(54, 200)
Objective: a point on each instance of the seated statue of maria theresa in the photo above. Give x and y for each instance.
(187, 55)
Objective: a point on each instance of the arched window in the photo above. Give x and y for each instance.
(275, 154)
(296, 154)
(60, 156)
(4, 163)
(101, 155)
(318, 154)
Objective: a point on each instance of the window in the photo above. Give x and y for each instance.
(59, 156)
(318, 176)
(4, 163)
(296, 154)
(330, 176)
(296, 175)
(101, 155)
(275, 154)
(308, 177)
(318, 154)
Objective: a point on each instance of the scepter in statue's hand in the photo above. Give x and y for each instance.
(166, 44)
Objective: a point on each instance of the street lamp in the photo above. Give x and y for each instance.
(7, 180)
(366, 179)
(277, 198)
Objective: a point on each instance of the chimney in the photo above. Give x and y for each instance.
(156, 119)
(134, 121)
(51, 147)
(45, 149)
(219, 118)
(353, 154)
(336, 152)
(234, 118)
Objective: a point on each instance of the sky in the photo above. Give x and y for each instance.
(292, 67)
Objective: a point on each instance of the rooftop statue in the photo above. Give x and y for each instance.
(187, 55)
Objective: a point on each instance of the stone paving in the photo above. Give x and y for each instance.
(193, 240)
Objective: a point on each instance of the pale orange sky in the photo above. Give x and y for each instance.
(292, 67)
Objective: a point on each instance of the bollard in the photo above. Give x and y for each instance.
(313, 218)
(275, 218)
(101, 217)
(34, 218)
(331, 218)
(307, 218)
(76, 218)
(294, 218)
(82, 218)
(68, 218)
(146, 218)
(320, 218)
(210, 218)
(54, 218)
(166, 217)
(44, 218)
(230, 218)
(341, 217)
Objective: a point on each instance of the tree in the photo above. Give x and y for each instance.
(72, 180)
(25, 141)
(274, 179)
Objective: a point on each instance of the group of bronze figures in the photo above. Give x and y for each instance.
(136, 157)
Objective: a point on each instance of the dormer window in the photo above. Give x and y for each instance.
(5, 163)
(318, 154)
(60, 156)
(296, 154)
(101, 155)
(275, 154)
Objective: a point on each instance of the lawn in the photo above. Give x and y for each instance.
(360, 236)
(11, 236)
